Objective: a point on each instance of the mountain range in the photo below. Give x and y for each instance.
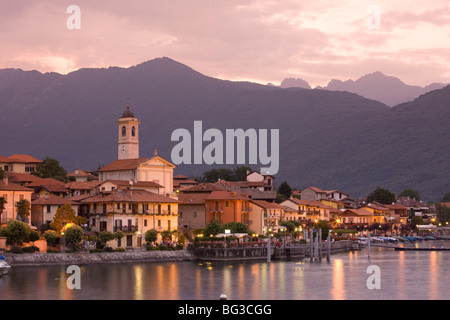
(329, 139)
(376, 86)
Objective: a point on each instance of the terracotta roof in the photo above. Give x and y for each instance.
(4, 159)
(268, 205)
(129, 196)
(358, 212)
(82, 185)
(286, 208)
(225, 195)
(79, 197)
(126, 164)
(192, 198)
(31, 180)
(447, 204)
(55, 188)
(396, 206)
(23, 158)
(10, 186)
(203, 187)
(52, 199)
(142, 184)
(180, 176)
(79, 173)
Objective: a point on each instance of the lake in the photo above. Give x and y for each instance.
(403, 275)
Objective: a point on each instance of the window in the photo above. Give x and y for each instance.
(168, 208)
(145, 222)
(48, 209)
(124, 131)
(133, 131)
(195, 214)
(227, 204)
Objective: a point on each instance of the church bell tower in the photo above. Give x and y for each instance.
(128, 143)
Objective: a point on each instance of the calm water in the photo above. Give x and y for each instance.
(404, 275)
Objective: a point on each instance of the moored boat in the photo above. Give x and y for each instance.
(4, 266)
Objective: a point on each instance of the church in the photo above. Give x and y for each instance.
(129, 166)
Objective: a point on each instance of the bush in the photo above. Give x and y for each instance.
(120, 249)
(30, 249)
(73, 236)
(50, 236)
(17, 250)
(52, 251)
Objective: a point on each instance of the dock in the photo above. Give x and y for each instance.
(420, 249)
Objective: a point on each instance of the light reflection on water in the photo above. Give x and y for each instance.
(404, 275)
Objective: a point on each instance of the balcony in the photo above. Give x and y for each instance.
(126, 228)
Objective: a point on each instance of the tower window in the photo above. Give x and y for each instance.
(133, 133)
(124, 131)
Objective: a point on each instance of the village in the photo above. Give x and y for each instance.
(136, 195)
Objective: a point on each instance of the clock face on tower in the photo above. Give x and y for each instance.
(123, 149)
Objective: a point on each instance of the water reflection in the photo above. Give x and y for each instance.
(404, 275)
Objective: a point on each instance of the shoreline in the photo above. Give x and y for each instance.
(47, 259)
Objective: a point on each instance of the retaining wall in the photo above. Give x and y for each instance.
(39, 259)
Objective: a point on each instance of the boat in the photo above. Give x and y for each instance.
(4, 266)
(430, 238)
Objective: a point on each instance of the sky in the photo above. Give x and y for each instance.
(263, 41)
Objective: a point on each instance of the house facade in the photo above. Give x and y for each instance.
(13, 193)
(133, 212)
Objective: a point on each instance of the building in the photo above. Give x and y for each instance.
(80, 175)
(43, 209)
(265, 215)
(379, 211)
(357, 216)
(310, 211)
(266, 179)
(317, 194)
(109, 185)
(19, 163)
(191, 212)
(225, 207)
(13, 193)
(130, 166)
(181, 181)
(133, 212)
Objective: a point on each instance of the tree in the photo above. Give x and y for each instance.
(34, 236)
(442, 213)
(285, 190)
(236, 227)
(105, 236)
(382, 196)
(238, 174)
(151, 235)
(23, 209)
(64, 215)
(73, 236)
(213, 228)
(410, 193)
(2, 204)
(16, 232)
(50, 236)
(446, 197)
(50, 168)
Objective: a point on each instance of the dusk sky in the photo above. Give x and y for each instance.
(262, 40)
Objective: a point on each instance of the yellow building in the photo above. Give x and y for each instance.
(19, 163)
(13, 193)
(133, 212)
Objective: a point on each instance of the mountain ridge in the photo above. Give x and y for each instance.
(329, 139)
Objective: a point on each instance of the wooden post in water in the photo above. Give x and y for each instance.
(311, 245)
(368, 246)
(268, 248)
(316, 245)
(328, 246)
(319, 243)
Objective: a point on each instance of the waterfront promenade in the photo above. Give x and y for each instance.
(201, 253)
